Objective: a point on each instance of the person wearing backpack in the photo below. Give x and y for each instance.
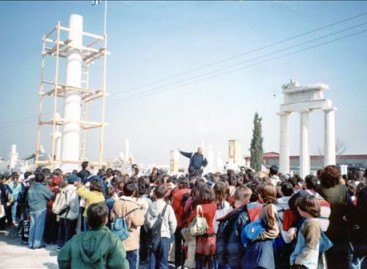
(259, 253)
(68, 220)
(128, 206)
(229, 248)
(161, 236)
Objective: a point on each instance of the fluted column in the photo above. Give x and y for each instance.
(304, 154)
(284, 143)
(329, 154)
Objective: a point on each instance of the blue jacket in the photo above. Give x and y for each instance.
(230, 250)
(196, 160)
(38, 196)
(307, 252)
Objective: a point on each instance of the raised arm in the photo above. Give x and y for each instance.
(186, 154)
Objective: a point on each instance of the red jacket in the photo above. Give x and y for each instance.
(178, 208)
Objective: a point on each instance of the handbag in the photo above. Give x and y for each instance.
(199, 225)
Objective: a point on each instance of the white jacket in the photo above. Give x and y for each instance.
(169, 223)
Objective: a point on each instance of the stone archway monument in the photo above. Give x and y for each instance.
(304, 99)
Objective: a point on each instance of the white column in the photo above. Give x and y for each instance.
(329, 154)
(304, 154)
(284, 144)
(71, 129)
(174, 162)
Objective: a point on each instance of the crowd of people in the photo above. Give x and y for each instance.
(288, 217)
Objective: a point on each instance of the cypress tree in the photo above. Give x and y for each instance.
(256, 149)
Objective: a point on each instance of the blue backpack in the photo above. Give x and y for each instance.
(251, 231)
(119, 226)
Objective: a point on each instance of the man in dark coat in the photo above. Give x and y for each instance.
(197, 161)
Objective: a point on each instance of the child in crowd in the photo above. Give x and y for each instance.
(221, 191)
(229, 249)
(159, 257)
(306, 252)
(95, 248)
(260, 251)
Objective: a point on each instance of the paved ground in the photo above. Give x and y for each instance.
(15, 255)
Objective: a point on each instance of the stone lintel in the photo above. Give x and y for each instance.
(323, 104)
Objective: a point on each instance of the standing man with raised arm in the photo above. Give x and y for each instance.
(197, 161)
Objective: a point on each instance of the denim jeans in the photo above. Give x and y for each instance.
(67, 229)
(132, 258)
(38, 220)
(159, 257)
(14, 211)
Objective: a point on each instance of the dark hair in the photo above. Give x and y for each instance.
(58, 172)
(39, 177)
(130, 188)
(309, 204)
(97, 214)
(27, 174)
(273, 170)
(110, 191)
(84, 165)
(329, 177)
(221, 191)
(143, 185)
(311, 182)
(293, 181)
(95, 185)
(286, 188)
(253, 185)
(183, 183)
(232, 180)
(205, 194)
(160, 191)
(268, 193)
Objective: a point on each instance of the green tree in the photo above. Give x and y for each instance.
(256, 149)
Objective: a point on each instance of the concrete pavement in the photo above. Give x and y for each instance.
(15, 255)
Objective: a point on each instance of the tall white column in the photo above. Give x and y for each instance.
(329, 154)
(72, 101)
(284, 144)
(304, 154)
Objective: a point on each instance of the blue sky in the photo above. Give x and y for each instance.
(179, 44)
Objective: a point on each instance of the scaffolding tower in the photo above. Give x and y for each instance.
(53, 90)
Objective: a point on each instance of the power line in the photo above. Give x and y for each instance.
(242, 54)
(241, 68)
(209, 73)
